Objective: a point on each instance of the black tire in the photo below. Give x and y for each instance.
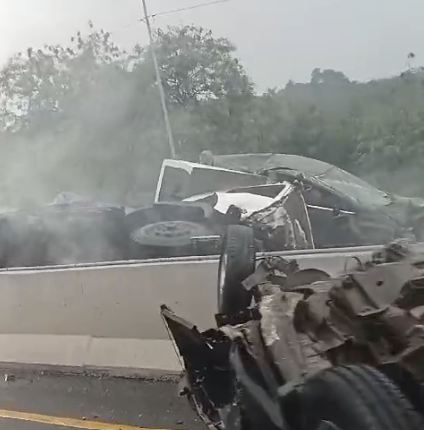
(353, 398)
(236, 263)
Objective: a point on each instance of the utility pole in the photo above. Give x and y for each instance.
(159, 82)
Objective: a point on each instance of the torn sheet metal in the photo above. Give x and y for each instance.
(281, 225)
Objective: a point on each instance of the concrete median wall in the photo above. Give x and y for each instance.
(101, 318)
(107, 316)
(87, 354)
(106, 301)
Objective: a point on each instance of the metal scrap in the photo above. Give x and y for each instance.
(304, 321)
(365, 315)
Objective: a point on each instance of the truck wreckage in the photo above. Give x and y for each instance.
(194, 204)
(296, 349)
(321, 206)
(291, 202)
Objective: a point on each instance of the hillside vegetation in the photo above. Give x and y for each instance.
(87, 118)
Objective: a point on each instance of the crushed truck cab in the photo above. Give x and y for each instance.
(194, 203)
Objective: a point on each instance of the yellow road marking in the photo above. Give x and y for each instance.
(67, 422)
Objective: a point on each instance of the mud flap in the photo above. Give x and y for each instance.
(186, 337)
(208, 378)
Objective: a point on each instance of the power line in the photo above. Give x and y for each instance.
(183, 9)
(172, 11)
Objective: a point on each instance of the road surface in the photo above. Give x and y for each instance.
(46, 402)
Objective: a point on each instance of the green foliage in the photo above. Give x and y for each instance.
(196, 66)
(87, 117)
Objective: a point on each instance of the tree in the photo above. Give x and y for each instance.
(94, 109)
(328, 76)
(87, 117)
(78, 110)
(196, 67)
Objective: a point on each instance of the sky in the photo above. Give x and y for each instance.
(277, 40)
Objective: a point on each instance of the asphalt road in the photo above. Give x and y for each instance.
(43, 402)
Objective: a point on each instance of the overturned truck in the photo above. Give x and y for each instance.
(300, 350)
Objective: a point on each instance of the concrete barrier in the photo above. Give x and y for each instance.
(120, 301)
(107, 316)
(106, 301)
(103, 318)
(86, 354)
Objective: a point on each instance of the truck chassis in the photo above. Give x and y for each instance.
(300, 350)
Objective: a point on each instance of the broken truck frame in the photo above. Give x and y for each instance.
(298, 345)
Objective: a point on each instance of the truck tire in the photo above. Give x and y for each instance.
(236, 263)
(354, 397)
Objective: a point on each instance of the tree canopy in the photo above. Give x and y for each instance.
(87, 117)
